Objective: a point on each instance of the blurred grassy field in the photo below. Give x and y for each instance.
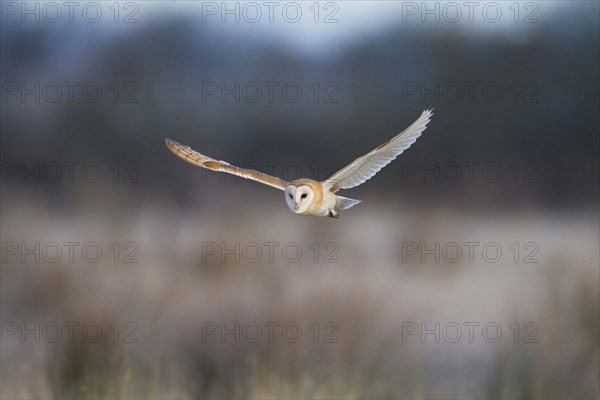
(368, 295)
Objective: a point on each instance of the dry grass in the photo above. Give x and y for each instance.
(368, 294)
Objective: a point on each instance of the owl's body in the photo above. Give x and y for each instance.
(322, 204)
(309, 197)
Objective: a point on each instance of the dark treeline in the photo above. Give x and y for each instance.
(529, 105)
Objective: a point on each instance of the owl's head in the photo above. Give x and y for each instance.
(299, 198)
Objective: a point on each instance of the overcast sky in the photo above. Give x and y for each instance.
(311, 27)
(324, 26)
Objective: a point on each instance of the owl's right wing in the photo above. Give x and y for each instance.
(193, 157)
(364, 168)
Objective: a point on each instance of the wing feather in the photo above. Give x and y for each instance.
(193, 157)
(364, 168)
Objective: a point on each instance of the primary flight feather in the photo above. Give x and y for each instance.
(309, 197)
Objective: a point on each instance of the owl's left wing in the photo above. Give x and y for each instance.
(193, 157)
(364, 168)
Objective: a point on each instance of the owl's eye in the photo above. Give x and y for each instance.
(303, 195)
(291, 197)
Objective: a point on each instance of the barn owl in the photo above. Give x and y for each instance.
(309, 197)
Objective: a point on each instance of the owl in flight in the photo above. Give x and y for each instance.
(309, 197)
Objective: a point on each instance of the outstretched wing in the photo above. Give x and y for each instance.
(364, 168)
(193, 157)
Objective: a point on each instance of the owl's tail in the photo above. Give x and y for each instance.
(344, 203)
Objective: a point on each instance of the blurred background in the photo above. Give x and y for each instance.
(470, 270)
